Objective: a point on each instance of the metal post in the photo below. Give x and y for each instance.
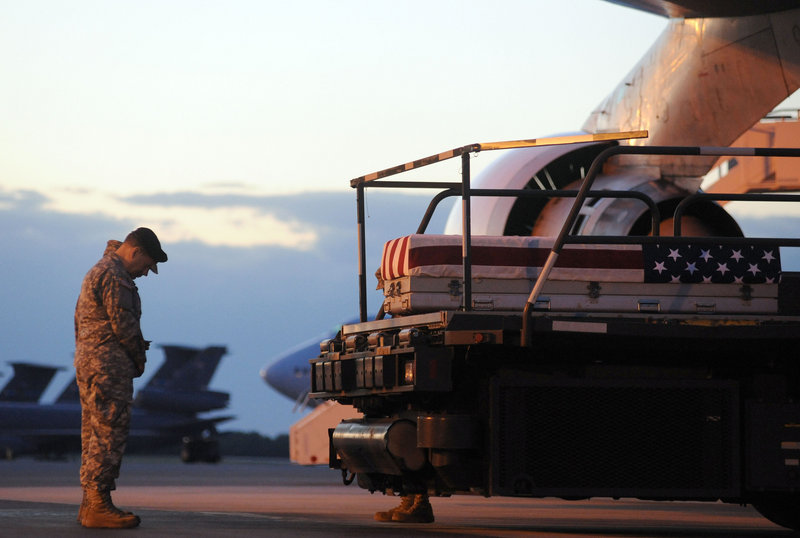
(559, 242)
(362, 262)
(466, 230)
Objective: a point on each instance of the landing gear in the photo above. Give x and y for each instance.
(204, 448)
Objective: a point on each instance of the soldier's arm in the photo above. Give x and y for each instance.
(118, 299)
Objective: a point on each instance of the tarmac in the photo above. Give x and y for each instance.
(273, 497)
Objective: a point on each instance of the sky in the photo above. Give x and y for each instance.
(104, 99)
(232, 128)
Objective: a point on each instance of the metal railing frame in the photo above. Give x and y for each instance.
(466, 192)
(360, 183)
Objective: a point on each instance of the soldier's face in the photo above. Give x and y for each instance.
(142, 263)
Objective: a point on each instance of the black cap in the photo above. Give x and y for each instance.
(149, 242)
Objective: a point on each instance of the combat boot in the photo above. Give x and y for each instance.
(404, 506)
(82, 509)
(421, 511)
(100, 512)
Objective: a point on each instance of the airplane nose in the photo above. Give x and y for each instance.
(282, 376)
(263, 373)
(274, 376)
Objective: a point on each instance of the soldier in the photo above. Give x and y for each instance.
(109, 353)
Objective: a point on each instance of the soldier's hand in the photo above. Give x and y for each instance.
(139, 367)
(147, 344)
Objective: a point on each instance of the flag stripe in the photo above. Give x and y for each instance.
(509, 257)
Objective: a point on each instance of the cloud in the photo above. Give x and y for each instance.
(235, 226)
(226, 219)
(22, 199)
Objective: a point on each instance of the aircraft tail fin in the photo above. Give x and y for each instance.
(70, 393)
(28, 383)
(187, 368)
(181, 383)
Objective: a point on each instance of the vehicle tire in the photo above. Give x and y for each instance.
(781, 508)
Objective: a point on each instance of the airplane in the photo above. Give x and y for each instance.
(717, 70)
(165, 410)
(289, 372)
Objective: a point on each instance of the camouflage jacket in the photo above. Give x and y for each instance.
(107, 332)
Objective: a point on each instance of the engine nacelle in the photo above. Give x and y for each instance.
(563, 167)
(629, 216)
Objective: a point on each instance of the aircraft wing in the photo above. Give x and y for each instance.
(44, 432)
(692, 9)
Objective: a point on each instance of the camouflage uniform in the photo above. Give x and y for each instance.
(109, 353)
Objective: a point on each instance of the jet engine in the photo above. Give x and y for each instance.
(549, 168)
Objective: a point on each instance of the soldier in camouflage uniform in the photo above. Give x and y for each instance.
(109, 354)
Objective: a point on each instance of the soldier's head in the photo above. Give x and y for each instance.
(141, 252)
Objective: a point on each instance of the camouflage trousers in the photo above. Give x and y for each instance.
(105, 423)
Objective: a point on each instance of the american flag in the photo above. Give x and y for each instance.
(741, 264)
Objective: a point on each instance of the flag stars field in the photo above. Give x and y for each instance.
(687, 263)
